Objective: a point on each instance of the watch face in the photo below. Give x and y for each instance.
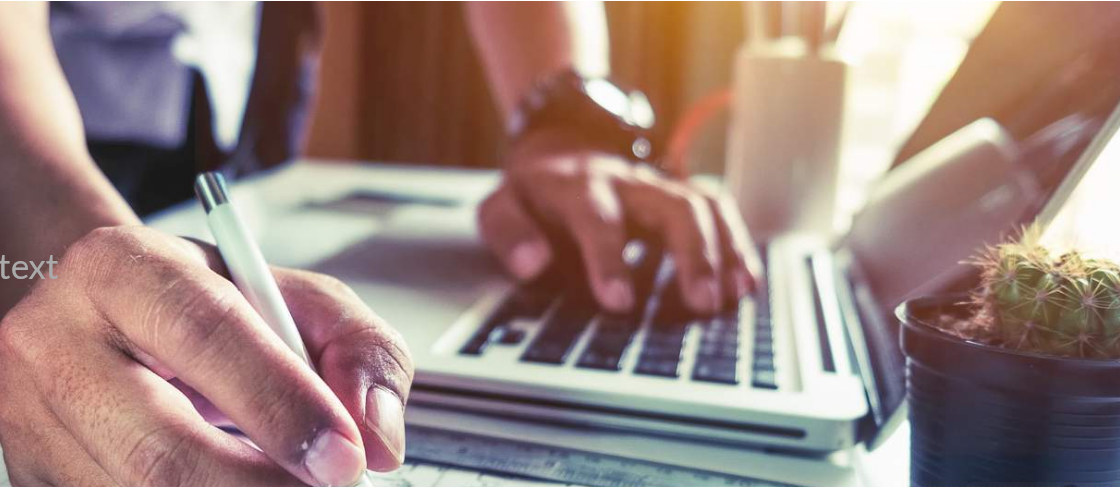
(633, 108)
(641, 112)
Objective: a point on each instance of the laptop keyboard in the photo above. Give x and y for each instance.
(659, 342)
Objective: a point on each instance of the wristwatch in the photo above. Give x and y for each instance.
(591, 109)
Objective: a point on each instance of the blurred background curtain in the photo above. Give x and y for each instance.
(401, 81)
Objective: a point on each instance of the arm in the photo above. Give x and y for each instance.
(51, 193)
(521, 42)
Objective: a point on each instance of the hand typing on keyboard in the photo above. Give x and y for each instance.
(730, 347)
(593, 199)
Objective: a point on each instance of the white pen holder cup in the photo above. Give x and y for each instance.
(784, 138)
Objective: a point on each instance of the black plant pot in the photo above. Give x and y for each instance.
(987, 416)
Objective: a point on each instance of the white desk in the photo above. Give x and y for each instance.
(303, 182)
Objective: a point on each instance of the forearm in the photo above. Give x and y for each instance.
(51, 193)
(520, 42)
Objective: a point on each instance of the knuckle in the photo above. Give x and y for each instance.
(320, 296)
(320, 286)
(162, 458)
(686, 206)
(99, 248)
(327, 284)
(396, 363)
(99, 241)
(380, 353)
(393, 343)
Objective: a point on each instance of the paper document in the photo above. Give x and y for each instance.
(416, 475)
(428, 475)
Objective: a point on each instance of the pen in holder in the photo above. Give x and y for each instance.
(784, 137)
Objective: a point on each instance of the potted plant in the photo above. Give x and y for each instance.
(1019, 382)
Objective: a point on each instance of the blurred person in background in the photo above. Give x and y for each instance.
(109, 374)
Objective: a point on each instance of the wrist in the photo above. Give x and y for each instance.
(586, 112)
(543, 141)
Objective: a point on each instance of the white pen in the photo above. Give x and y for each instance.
(247, 266)
(245, 262)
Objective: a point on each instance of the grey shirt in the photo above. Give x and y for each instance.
(130, 65)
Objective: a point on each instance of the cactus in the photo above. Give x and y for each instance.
(1067, 305)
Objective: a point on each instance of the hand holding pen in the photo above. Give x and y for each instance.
(254, 279)
(102, 362)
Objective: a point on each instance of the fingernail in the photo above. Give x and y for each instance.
(333, 460)
(619, 295)
(385, 418)
(704, 295)
(528, 259)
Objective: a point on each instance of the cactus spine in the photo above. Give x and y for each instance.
(1065, 306)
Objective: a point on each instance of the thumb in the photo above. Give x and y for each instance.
(512, 235)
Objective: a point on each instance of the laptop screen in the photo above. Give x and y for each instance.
(1087, 219)
(1040, 79)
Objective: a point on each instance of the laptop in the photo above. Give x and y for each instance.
(810, 362)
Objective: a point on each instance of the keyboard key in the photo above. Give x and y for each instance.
(614, 334)
(763, 332)
(657, 367)
(670, 338)
(764, 373)
(526, 302)
(481, 338)
(764, 362)
(507, 336)
(717, 359)
(560, 331)
(764, 379)
(661, 351)
(595, 359)
(719, 336)
(722, 370)
(660, 356)
(547, 353)
(607, 345)
(475, 345)
(613, 338)
(718, 349)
